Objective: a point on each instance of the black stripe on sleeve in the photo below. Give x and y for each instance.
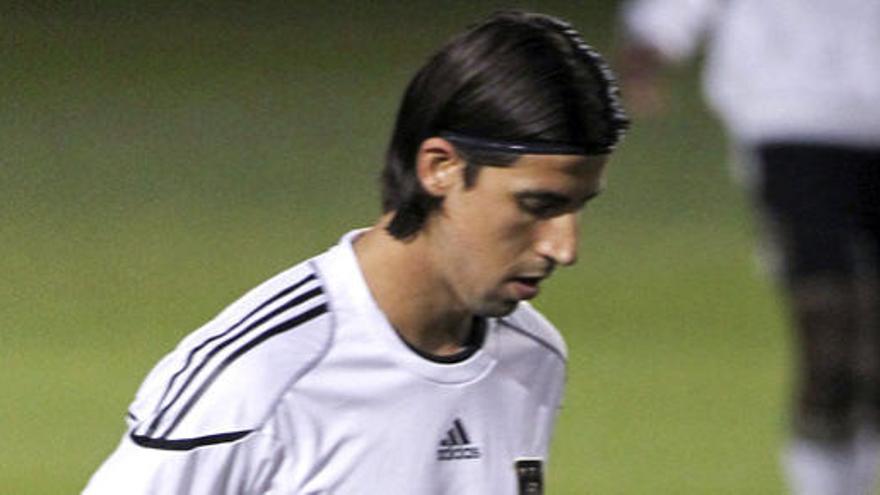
(187, 443)
(276, 330)
(195, 350)
(231, 340)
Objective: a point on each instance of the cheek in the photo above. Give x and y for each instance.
(494, 232)
(518, 235)
(493, 248)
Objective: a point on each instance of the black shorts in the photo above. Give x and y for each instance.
(822, 205)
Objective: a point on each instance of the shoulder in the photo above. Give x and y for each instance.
(225, 379)
(531, 324)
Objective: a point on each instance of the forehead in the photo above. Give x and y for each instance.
(571, 173)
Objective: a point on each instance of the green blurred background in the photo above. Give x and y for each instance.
(160, 159)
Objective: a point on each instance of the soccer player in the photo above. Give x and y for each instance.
(404, 360)
(797, 85)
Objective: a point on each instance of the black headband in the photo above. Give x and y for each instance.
(522, 147)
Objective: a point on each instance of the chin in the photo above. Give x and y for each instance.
(496, 309)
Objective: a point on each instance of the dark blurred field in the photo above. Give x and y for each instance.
(157, 161)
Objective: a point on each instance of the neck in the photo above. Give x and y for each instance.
(411, 293)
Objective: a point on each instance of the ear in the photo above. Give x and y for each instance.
(439, 166)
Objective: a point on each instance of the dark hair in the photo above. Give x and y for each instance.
(516, 77)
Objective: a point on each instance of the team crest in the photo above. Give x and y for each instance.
(530, 475)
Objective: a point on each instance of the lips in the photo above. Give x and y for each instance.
(529, 280)
(526, 287)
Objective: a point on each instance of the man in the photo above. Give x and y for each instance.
(798, 86)
(404, 360)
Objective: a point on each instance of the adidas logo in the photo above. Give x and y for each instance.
(457, 445)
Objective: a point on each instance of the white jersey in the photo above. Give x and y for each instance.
(777, 69)
(303, 387)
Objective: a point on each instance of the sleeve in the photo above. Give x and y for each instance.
(673, 27)
(243, 466)
(198, 424)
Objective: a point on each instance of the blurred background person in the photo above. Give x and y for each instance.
(797, 86)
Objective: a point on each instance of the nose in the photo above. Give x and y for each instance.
(558, 239)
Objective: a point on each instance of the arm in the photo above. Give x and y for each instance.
(655, 34)
(242, 466)
(200, 421)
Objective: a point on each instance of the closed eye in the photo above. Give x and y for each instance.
(543, 204)
(548, 204)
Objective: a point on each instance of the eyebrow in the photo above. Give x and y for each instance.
(541, 194)
(556, 197)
